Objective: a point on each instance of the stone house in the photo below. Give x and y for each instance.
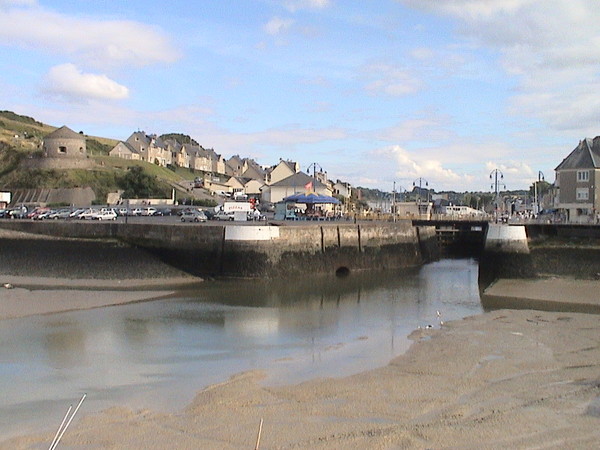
(294, 184)
(576, 182)
(254, 172)
(342, 189)
(199, 159)
(253, 188)
(64, 143)
(173, 147)
(234, 166)
(125, 151)
(281, 171)
(150, 148)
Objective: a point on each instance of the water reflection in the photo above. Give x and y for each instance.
(157, 354)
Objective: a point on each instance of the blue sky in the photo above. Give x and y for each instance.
(374, 92)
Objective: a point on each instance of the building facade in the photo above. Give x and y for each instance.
(576, 182)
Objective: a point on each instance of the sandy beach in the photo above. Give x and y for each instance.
(503, 379)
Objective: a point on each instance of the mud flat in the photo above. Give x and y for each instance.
(503, 379)
(27, 296)
(550, 294)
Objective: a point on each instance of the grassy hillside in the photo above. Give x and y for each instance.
(21, 137)
(25, 133)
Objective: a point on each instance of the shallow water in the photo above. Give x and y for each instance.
(158, 354)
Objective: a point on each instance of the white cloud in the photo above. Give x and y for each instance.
(9, 3)
(277, 26)
(552, 47)
(471, 8)
(67, 80)
(389, 80)
(422, 53)
(411, 165)
(295, 5)
(98, 42)
(412, 129)
(512, 174)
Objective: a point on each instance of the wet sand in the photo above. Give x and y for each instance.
(26, 296)
(548, 294)
(503, 379)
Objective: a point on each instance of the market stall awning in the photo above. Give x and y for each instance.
(311, 198)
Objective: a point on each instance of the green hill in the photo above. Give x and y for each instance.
(21, 137)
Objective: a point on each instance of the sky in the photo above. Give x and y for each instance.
(378, 93)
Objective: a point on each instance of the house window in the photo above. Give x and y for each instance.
(583, 175)
(62, 149)
(583, 193)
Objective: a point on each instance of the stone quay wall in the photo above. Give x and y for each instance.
(534, 251)
(260, 251)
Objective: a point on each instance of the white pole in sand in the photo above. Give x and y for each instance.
(61, 425)
(69, 422)
(259, 433)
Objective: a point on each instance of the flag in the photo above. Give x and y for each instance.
(309, 186)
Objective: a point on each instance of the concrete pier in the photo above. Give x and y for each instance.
(261, 250)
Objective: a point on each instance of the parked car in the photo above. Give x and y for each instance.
(122, 211)
(36, 212)
(88, 214)
(105, 214)
(210, 213)
(136, 212)
(222, 215)
(75, 214)
(60, 214)
(41, 215)
(193, 216)
(150, 211)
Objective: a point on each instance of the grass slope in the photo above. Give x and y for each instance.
(21, 136)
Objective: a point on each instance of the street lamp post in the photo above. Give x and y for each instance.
(494, 176)
(420, 181)
(536, 208)
(314, 169)
(394, 203)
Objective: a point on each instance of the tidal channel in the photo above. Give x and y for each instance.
(158, 354)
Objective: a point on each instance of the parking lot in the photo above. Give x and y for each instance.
(134, 216)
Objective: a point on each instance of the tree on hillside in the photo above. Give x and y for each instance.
(9, 158)
(138, 184)
(179, 137)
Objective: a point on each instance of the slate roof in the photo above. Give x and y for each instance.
(127, 145)
(299, 179)
(254, 173)
(64, 132)
(585, 156)
(141, 138)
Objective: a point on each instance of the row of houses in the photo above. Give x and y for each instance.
(229, 176)
(577, 194)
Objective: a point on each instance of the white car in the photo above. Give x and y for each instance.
(106, 214)
(150, 211)
(88, 214)
(75, 214)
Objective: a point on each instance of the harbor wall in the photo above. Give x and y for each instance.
(259, 251)
(534, 251)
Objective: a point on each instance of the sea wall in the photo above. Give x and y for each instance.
(506, 254)
(260, 251)
(533, 251)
